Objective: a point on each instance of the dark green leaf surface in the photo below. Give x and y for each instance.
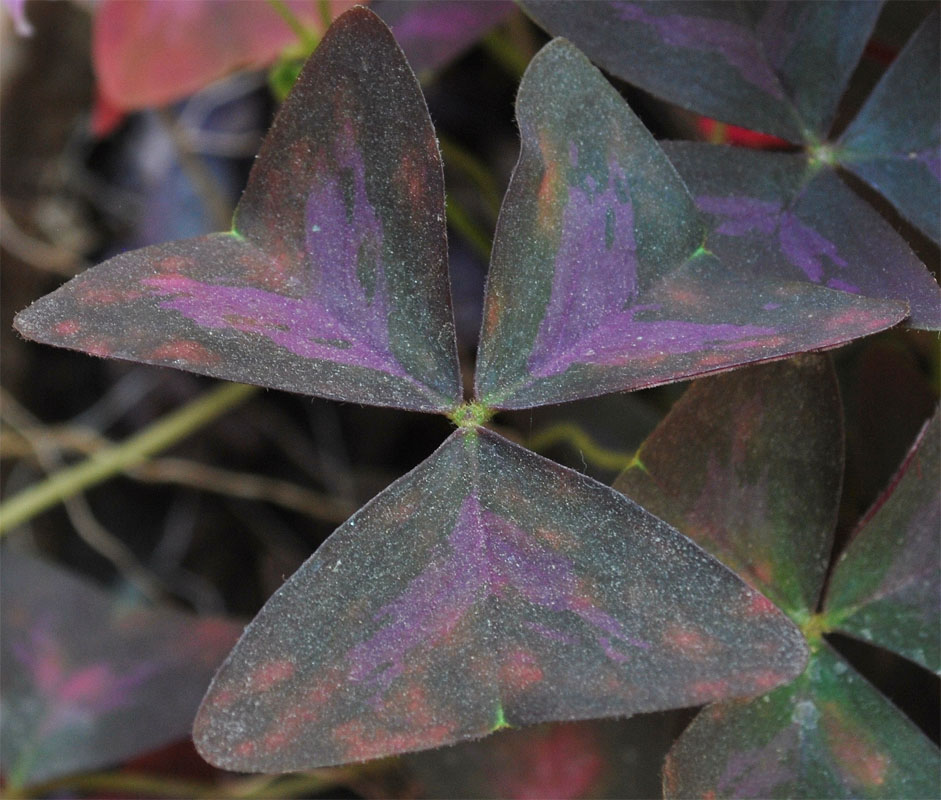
(89, 681)
(487, 587)
(597, 283)
(749, 466)
(775, 215)
(828, 734)
(334, 280)
(894, 144)
(770, 66)
(886, 587)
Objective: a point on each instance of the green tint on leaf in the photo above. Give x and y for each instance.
(334, 280)
(770, 66)
(777, 216)
(749, 466)
(598, 280)
(89, 681)
(894, 144)
(488, 587)
(886, 587)
(829, 734)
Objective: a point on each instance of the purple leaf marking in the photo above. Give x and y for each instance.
(756, 772)
(804, 247)
(303, 326)
(589, 319)
(487, 557)
(931, 158)
(75, 696)
(343, 315)
(735, 43)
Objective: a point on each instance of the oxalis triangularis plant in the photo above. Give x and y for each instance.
(489, 587)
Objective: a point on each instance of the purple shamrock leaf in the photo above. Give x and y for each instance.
(749, 466)
(333, 280)
(774, 215)
(599, 281)
(729, 467)
(86, 682)
(894, 144)
(886, 587)
(476, 592)
(433, 33)
(828, 734)
(774, 67)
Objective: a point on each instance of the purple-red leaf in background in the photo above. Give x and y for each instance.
(148, 53)
(886, 586)
(828, 734)
(894, 144)
(774, 215)
(595, 759)
(433, 33)
(487, 587)
(775, 67)
(334, 279)
(731, 467)
(87, 681)
(598, 280)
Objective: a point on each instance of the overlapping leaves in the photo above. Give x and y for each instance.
(483, 587)
(781, 67)
(492, 584)
(748, 466)
(152, 52)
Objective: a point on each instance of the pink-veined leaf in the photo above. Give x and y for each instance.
(333, 281)
(88, 681)
(598, 280)
(487, 587)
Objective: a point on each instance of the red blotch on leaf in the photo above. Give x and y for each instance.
(67, 327)
(704, 691)
(759, 606)
(363, 741)
(520, 670)
(858, 757)
(687, 641)
(270, 674)
(183, 350)
(96, 347)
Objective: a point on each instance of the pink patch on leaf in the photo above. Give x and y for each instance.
(520, 670)
(67, 327)
(183, 350)
(759, 605)
(96, 346)
(270, 674)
